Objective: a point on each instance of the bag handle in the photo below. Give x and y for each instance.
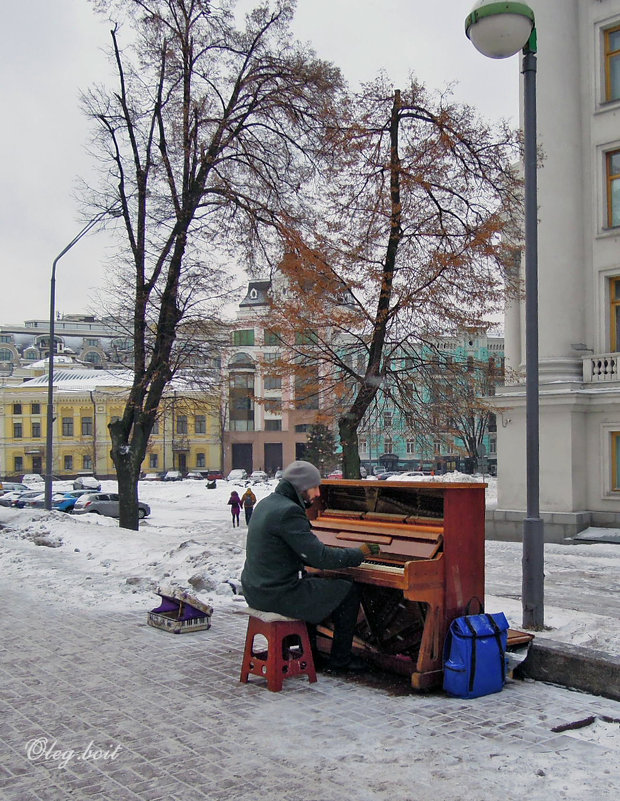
(469, 603)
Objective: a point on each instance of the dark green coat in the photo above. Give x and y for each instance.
(280, 543)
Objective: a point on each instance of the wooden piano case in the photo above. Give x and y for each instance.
(430, 567)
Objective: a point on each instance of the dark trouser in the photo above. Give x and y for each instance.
(344, 619)
(248, 513)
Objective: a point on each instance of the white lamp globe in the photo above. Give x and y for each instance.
(499, 30)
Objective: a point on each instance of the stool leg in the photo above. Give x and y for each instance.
(308, 655)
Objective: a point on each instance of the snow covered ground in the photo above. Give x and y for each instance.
(188, 541)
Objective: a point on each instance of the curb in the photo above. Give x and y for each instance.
(572, 666)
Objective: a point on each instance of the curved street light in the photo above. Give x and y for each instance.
(49, 440)
(500, 30)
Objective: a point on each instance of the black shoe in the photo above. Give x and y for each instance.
(354, 665)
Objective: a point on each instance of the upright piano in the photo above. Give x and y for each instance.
(430, 568)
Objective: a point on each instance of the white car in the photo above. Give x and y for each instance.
(33, 478)
(86, 482)
(237, 475)
(258, 475)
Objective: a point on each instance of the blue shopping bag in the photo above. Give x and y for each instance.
(475, 655)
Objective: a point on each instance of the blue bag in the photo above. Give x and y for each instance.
(475, 655)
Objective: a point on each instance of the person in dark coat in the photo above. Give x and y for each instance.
(235, 506)
(280, 543)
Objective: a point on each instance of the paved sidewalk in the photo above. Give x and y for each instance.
(95, 706)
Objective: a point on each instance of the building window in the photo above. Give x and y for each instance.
(17, 408)
(200, 460)
(155, 429)
(493, 445)
(18, 464)
(6, 338)
(6, 355)
(68, 463)
(91, 343)
(273, 425)
(612, 64)
(243, 337)
(362, 445)
(200, 424)
(182, 424)
(35, 408)
(67, 426)
(87, 426)
(87, 463)
(36, 430)
(153, 460)
(92, 357)
(615, 461)
(17, 431)
(388, 420)
(613, 189)
(388, 445)
(614, 314)
(410, 446)
(271, 338)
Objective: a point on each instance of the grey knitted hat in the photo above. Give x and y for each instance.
(302, 475)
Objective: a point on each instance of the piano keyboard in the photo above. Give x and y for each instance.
(371, 564)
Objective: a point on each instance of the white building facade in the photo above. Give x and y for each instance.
(578, 108)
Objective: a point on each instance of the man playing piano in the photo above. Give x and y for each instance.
(280, 544)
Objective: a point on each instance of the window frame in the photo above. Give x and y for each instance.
(609, 177)
(608, 56)
(67, 427)
(614, 309)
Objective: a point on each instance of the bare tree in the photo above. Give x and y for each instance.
(207, 140)
(410, 244)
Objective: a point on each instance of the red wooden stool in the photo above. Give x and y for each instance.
(284, 657)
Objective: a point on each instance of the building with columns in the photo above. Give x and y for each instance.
(578, 109)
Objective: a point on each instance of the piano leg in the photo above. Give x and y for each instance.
(429, 665)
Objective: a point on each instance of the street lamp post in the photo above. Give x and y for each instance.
(500, 30)
(49, 441)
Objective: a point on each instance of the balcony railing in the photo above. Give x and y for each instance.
(601, 368)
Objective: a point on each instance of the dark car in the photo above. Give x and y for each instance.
(105, 503)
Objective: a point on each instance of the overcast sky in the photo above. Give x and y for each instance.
(51, 49)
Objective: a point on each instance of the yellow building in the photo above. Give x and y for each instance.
(185, 437)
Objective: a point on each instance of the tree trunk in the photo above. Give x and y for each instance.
(127, 457)
(347, 428)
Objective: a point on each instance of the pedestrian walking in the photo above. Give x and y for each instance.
(248, 499)
(235, 506)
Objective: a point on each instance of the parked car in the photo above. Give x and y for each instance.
(87, 483)
(237, 475)
(335, 474)
(172, 475)
(278, 475)
(67, 500)
(256, 476)
(213, 475)
(195, 474)
(150, 477)
(13, 486)
(105, 503)
(33, 478)
(7, 498)
(24, 498)
(409, 475)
